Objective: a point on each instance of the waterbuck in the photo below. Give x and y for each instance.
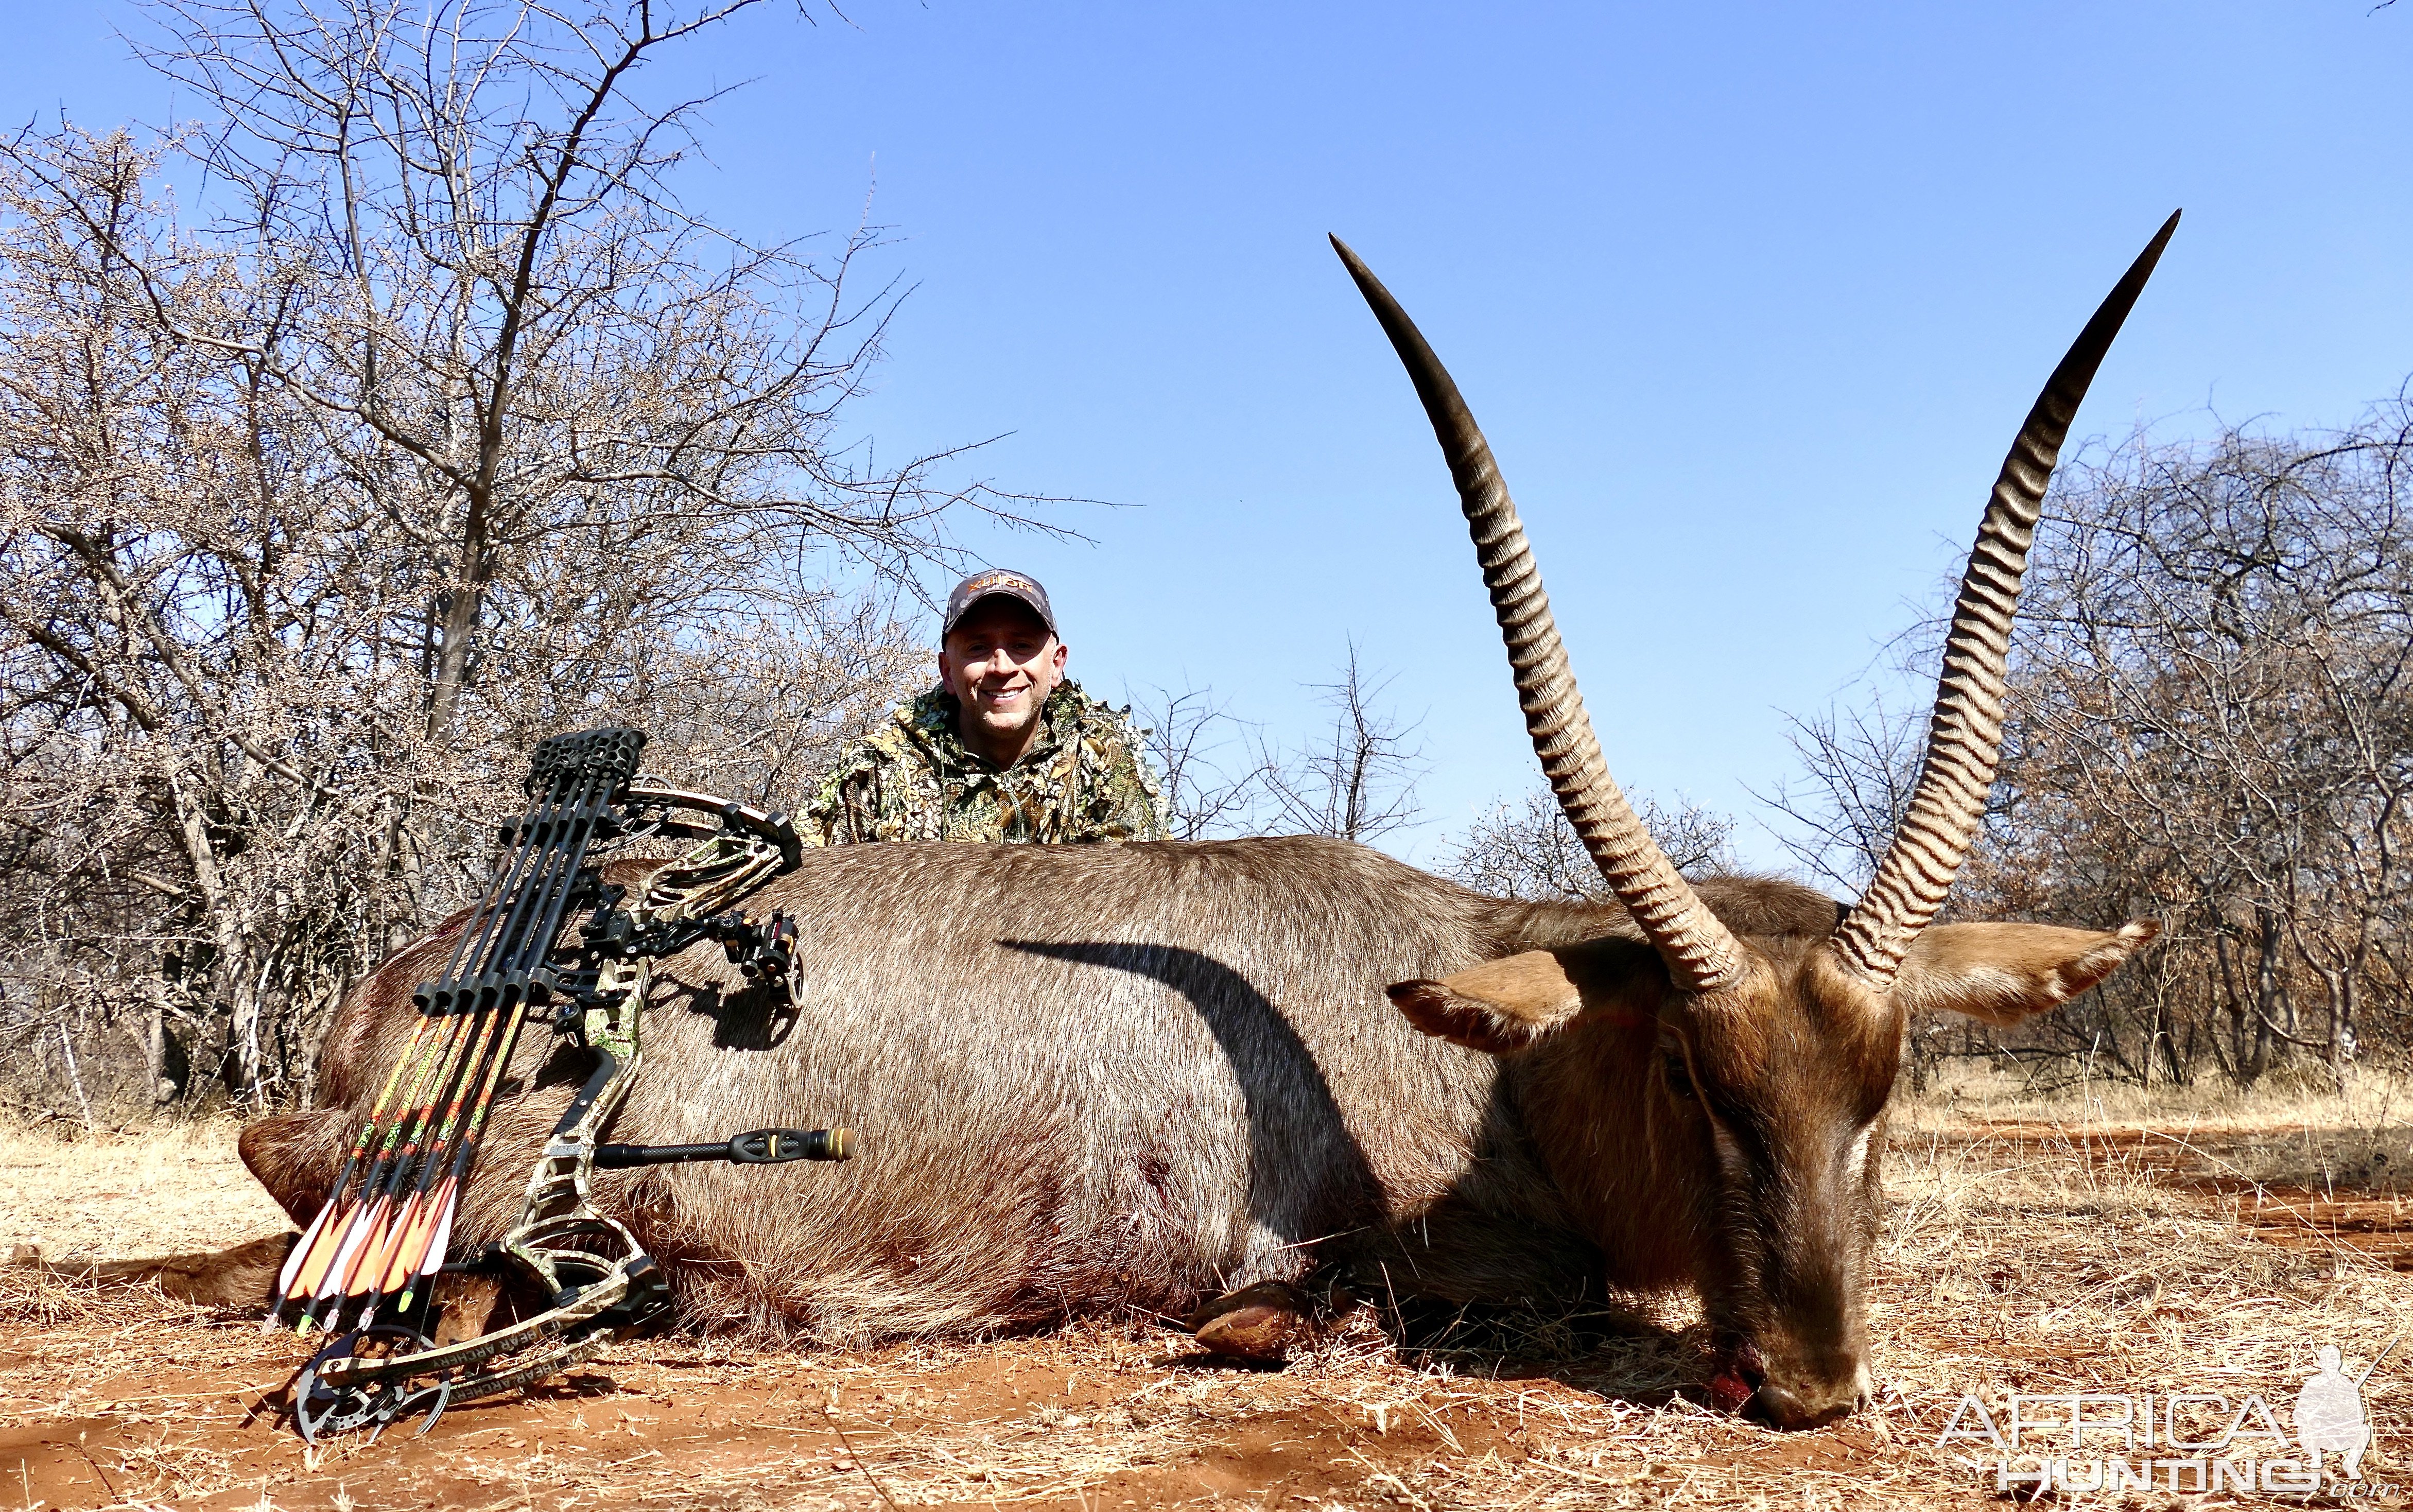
(1088, 1078)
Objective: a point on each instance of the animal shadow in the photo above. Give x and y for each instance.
(1295, 1125)
(1608, 1347)
(756, 1016)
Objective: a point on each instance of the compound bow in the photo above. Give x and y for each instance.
(381, 1239)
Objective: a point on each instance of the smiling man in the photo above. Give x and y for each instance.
(1006, 750)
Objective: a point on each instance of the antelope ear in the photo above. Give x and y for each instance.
(1498, 1007)
(1503, 1006)
(2002, 973)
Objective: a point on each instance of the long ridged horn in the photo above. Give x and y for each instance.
(1700, 954)
(1964, 738)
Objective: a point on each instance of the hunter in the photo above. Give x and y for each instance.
(1006, 750)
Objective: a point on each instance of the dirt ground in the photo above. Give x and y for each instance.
(2083, 1244)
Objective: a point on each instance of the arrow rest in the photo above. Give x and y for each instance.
(381, 1241)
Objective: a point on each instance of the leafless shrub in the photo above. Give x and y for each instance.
(1857, 767)
(1213, 779)
(1226, 776)
(1360, 782)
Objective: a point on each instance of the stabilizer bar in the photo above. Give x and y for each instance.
(758, 1147)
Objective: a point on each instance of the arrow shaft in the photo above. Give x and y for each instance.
(464, 1150)
(430, 1257)
(385, 1179)
(303, 1247)
(343, 1223)
(417, 1156)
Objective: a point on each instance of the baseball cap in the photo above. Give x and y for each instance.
(994, 583)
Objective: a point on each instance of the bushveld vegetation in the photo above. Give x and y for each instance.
(433, 424)
(2211, 726)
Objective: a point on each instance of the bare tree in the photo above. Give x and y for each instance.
(1214, 782)
(1226, 776)
(1359, 783)
(1527, 849)
(1857, 767)
(460, 245)
(2214, 699)
(2211, 722)
(441, 425)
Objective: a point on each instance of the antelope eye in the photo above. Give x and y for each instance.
(1679, 1080)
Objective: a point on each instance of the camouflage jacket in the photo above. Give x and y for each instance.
(913, 778)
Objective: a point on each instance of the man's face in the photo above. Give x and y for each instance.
(1000, 663)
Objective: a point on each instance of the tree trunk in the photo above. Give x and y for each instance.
(2271, 997)
(241, 975)
(151, 1042)
(2339, 988)
(2232, 1004)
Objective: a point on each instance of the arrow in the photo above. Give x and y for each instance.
(308, 1281)
(417, 1159)
(384, 1178)
(393, 1266)
(430, 1259)
(308, 1247)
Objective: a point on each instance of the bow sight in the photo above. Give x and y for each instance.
(378, 1245)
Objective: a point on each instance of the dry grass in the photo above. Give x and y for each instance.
(2292, 1129)
(2098, 1243)
(123, 1194)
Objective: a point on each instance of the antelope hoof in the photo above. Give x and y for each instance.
(1255, 1323)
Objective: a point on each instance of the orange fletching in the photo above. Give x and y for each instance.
(404, 1262)
(344, 1279)
(322, 1253)
(376, 1257)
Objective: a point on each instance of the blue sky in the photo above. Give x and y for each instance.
(1750, 299)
